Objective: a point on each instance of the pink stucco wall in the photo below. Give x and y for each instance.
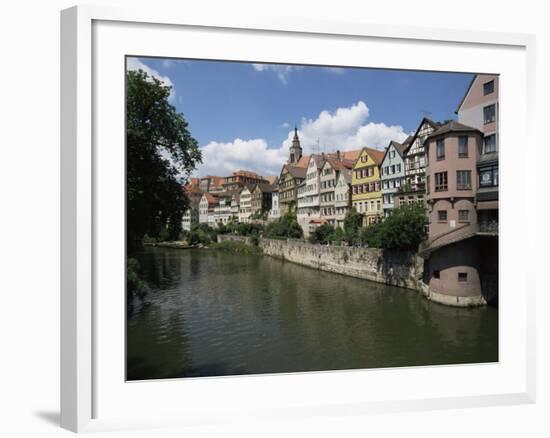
(452, 200)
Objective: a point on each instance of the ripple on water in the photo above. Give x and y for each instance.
(215, 313)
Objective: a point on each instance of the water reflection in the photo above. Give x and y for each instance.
(215, 313)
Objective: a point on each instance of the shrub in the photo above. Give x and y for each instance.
(285, 227)
(135, 286)
(240, 247)
(352, 225)
(405, 228)
(338, 235)
(371, 235)
(202, 234)
(322, 234)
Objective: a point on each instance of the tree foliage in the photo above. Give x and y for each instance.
(285, 227)
(405, 228)
(160, 154)
(323, 234)
(352, 225)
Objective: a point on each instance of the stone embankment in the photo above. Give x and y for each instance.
(395, 268)
(403, 269)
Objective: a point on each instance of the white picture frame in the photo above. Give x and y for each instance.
(85, 374)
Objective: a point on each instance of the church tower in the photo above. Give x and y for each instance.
(295, 149)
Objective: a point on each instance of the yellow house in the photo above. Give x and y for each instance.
(366, 188)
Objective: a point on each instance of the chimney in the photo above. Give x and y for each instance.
(338, 154)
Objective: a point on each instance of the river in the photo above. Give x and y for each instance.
(214, 313)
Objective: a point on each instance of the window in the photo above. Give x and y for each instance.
(463, 179)
(488, 176)
(463, 215)
(488, 87)
(399, 168)
(393, 169)
(462, 276)
(462, 146)
(490, 144)
(489, 114)
(436, 273)
(440, 149)
(441, 182)
(442, 215)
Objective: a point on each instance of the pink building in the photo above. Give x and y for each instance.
(452, 271)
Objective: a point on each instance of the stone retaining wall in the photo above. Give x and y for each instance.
(402, 269)
(395, 268)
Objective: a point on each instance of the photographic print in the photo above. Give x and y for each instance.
(297, 218)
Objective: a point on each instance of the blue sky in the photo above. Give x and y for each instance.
(243, 114)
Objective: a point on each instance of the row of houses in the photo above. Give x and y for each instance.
(323, 187)
(240, 197)
(450, 167)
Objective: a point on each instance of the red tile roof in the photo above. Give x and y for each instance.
(211, 198)
(376, 155)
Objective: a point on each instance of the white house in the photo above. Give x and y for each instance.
(392, 171)
(207, 205)
(245, 205)
(308, 199)
(274, 212)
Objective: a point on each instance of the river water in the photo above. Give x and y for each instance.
(213, 313)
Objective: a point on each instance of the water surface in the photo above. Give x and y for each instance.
(212, 313)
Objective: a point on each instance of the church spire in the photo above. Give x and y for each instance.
(295, 149)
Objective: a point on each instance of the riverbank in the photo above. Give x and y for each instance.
(394, 268)
(175, 245)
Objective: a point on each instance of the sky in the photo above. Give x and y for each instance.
(243, 114)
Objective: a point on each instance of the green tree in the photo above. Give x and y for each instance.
(352, 224)
(338, 235)
(285, 227)
(372, 235)
(160, 153)
(405, 228)
(322, 234)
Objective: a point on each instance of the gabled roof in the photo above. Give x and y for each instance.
(339, 164)
(264, 187)
(296, 172)
(319, 160)
(211, 198)
(430, 122)
(303, 161)
(465, 94)
(376, 154)
(228, 193)
(399, 147)
(452, 126)
(272, 179)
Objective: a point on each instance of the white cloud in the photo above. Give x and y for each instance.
(282, 71)
(223, 158)
(136, 64)
(344, 129)
(285, 125)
